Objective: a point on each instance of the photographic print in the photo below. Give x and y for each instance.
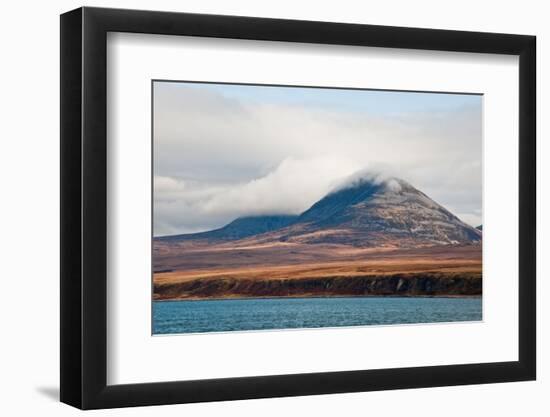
(286, 207)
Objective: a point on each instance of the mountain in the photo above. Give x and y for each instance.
(239, 228)
(371, 237)
(376, 213)
(367, 212)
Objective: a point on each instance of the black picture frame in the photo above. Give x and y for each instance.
(84, 207)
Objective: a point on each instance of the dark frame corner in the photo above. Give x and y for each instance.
(83, 207)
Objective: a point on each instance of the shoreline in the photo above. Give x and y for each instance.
(313, 296)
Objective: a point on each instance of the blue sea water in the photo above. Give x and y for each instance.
(291, 313)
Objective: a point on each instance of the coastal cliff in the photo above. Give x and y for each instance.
(405, 284)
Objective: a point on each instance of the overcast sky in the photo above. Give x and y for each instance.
(226, 151)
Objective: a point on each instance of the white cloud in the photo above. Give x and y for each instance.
(291, 188)
(217, 158)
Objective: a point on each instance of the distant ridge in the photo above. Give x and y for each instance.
(239, 228)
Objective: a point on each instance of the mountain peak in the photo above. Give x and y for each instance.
(354, 191)
(369, 178)
(370, 210)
